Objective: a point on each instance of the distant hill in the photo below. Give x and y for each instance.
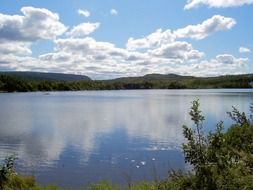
(40, 76)
(166, 77)
(35, 81)
(174, 81)
(153, 77)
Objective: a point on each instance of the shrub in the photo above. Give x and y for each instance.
(219, 160)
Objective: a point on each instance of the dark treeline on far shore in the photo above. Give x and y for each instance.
(19, 83)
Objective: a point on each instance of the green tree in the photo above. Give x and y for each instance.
(220, 160)
(6, 170)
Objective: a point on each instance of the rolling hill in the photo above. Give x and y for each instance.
(153, 77)
(35, 81)
(40, 76)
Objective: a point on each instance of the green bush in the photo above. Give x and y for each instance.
(219, 160)
(103, 186)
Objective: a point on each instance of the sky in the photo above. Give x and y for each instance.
(116, 38)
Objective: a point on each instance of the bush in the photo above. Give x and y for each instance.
(103, 186)
(219, 160)
(6, 171)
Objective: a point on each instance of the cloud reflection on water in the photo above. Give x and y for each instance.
(41, 128)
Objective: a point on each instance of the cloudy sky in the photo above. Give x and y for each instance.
(115, 38)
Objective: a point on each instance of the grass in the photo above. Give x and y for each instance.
(18, 182)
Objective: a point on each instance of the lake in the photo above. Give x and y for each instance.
(77, 138)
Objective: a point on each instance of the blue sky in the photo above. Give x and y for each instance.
(113, 38)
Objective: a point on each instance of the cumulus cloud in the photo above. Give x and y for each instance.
(91, 57)
(82, 45)
(230, 59)
(34, 24)
(199, 31)
(216, 3)
(221, 65)
(162, 51)
(16, 48)
(153, 40)
(57, 57)
(177, 50)
(84, 12)
(83, 29)
(102, 59)
(18, 32)
(244, 50)
(206, 28)
(113, 12)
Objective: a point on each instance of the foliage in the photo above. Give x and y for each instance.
(103, 186)
(219, 160)
(6, 170)
(15, 83)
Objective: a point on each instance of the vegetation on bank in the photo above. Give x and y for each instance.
(220, 160)
(15, 83)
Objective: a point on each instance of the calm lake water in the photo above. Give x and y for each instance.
(78, 138)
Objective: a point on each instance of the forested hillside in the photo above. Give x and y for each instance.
(64, 82)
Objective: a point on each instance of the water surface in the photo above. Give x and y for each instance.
(78, 138)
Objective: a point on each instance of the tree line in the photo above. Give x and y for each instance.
(10, 83)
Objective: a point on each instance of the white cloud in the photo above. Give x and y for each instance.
(101, 60)
(18, 32)
(57, 57)
(177, 50)
(199, 31)
(84, 13)
(15, 48)
(82, 45)
(230, 59)
(83, 29)
(113, 12)
(159, 52)
(206, 28)
(91, 57)
(34, 25)
(222, 64)
(216, 3)
(244, 50)
(133, 44)
(153, 40)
